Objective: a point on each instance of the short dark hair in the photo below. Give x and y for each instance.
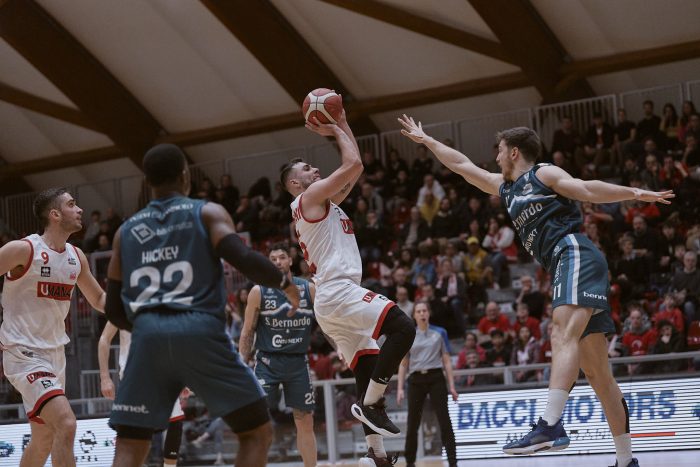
(648, 102)
(280, 246)
(163, 164)
(523, 138)
(46, 201)
(287, 169)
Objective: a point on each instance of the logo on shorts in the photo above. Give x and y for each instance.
(369, 296)
(143, 233)
(130, 408)
(46, 383)
(31, 377)
(45, 271)
(594, 295)
(54, 290)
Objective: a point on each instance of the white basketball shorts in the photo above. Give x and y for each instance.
(351, 316)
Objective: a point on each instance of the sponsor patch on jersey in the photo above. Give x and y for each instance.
(73, 275)
(369, 296)
(54, 290)
(527, 189)
(45, 271)
(142, 233)
(31, 377)
(72, 261)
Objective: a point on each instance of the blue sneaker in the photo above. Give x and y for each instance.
(633, 463)
(542, 438)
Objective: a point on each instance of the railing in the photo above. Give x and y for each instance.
(474, 136)
(632, 101)
(351, 444)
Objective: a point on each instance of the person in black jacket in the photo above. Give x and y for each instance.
(415, 230)
(669, 341)
(452, 291)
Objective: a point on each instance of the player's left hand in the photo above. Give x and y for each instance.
(292, 293)
(412, 130)
(655, 196)
(323, 129)
(455, 394)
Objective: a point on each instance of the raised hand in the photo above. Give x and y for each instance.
(655, 196)
(323, 129)
(412, 130)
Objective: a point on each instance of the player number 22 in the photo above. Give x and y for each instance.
(147, 297)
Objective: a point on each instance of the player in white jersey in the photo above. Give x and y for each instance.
(41, 272)
(171, 447)
(352, 316)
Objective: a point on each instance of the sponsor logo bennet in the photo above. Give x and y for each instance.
(54, 290)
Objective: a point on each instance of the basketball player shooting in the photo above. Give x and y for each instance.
(352, 316)
(541, 201)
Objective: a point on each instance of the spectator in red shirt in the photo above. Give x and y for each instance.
(669, 311)
(493, 320)
(637, 341)
(471, 344)
(523, 318)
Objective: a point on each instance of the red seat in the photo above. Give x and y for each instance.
(694, 336)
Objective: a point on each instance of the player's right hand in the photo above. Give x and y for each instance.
(399, 396)
(107, 388)
(414, 131)
(292, 293)
(323, 129)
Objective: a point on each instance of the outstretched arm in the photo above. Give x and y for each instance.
(338, 184)
(454, 160)
(596, 191)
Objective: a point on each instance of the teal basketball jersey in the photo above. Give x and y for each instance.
(168, 261)
(541, 216)
(278, 333)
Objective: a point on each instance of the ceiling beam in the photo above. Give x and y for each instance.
(52, 50)
(46, 107)
(427, 27)
(284, 53)
(588, 67)
(535, 48)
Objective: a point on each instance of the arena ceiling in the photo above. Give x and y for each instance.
(86, 86)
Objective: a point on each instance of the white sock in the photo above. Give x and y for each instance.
(376, 442)
(623, 449)
(556, 401)
(374, 392)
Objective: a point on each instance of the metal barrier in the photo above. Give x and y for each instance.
(97, 196)
(20, 214)
(394, 140)
(632, 101)
(134, 194)
(90, 387)
(477, 136)
(211, 171)
(548, 117)
(692, 93)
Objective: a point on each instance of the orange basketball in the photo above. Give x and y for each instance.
(324, 104)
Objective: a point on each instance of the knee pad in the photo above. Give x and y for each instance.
(134, 432)
(248, 417)
(171, 447)
(397, 322)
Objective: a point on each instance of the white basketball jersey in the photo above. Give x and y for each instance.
(37, 302)
(328, 244)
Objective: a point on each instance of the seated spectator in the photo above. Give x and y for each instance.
(526, 351)
(452, 290)
(566, 139)
(596, 150)
(399, 278)
(687, 111)
(648, 127)
(445, 223)
(637, 341)
(560, 160)
(471, 344)
(359, 216)
(688, 280)
(523, 319)
(395, 164)
(672, 173)
(493, 320)
(423, 266)
(533, 298)
(450, 253)
(651, 173)
(416, 230)
(471, 362)
(92, 231)
(403, 301)
(669, 312)
(669, 127)
(631, 271)
(499, 353)
(669, 341)
(500, 242)
(399, 186)
(546, 349)
(374, 201)
(429, 207)
(246, 215)
(645, 239)
(664, 247)
(440, 314)
(371, 239)
(625, 135)
(371, 164)
(422, 164)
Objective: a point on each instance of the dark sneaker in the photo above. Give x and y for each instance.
(633, 463)
(370, 460)
(375, 417)
(542, 438)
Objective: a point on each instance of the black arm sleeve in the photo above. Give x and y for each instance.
(251, 263)
(114, 307)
